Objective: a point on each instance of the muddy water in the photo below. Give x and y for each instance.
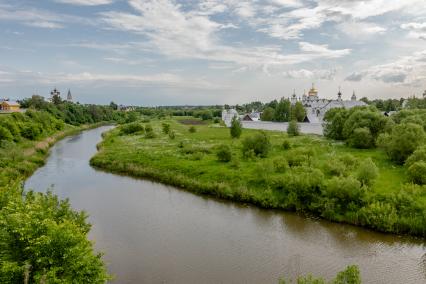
(152, 233)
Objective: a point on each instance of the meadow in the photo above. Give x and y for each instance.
(308, 174)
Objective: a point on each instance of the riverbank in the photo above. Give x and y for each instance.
(307, 174)
(41, 236)
(24, 157)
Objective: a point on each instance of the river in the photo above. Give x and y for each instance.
(152, 233)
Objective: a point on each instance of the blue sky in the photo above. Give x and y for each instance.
(170, 52)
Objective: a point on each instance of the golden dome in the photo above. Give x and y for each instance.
(313, 91)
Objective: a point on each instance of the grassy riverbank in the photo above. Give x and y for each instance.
(41, 237)
(305, 173)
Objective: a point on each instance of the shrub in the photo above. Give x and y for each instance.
(335, 167)
(418, 155)
(192, 129)
(148, 128)
(150, 134)
(280, 165)
(172, 134)
(286, 144)
(346, 190)
(258, 143)
(403, 141)
(367, 172)
(361, 138)
(236, 128)
(417, 173)
(224, 153)
(5, 134)
(131, 128)
(166, 128)
(293, 128)
(31, 131)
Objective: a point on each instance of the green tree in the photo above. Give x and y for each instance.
(403, 141)
(298, 112)
(361, 138)
(42, 235)
(113, 105)
(224, 153)
(293, 128)
(165, 127)
(236, 128)
(334, 121)
(417, 172)
(268, 114)
(367, 172)
(257, 144)
(283, 110)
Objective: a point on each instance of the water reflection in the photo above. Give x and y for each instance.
(153, 233)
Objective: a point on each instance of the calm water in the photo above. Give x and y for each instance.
(307, 128)
(152, 233)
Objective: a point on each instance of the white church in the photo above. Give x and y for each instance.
(315, 107)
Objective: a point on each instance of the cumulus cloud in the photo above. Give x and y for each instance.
(186, 34)
(407, 70)
(416, 30)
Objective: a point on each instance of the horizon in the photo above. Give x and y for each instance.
(164, 53)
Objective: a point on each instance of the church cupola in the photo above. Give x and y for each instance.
(353, 98)
(339, 95)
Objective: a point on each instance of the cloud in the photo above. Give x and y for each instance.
(407, 70)
(93, 79)
(317, 74)
(40, 18)
(182, 34)
(361, 30)
(416, 30)
(85, 2)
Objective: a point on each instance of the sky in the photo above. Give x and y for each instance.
(201, 52)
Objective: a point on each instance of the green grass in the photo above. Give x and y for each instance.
(189, 161)
(164, 153)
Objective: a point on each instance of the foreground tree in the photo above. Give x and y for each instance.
(45, 241)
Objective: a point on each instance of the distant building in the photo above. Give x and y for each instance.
(69, 96)
(55, 95)
(316, 107)
(228, 115)
(9, 106)
(126, 108)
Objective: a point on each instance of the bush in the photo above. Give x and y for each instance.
(148, 128)
(192, 129)
(259, 144)
(293, 128)
(166, 128)
(31, 131)
(403, 141)
(417, 156)
(361, 138)
(286, 144)
(224, 153)
(280, 165)
(5, 134)
(131, 128)
(150, 134)
(172, 134)
(417, 173)
(346, 190)
(236, 128)
(367, 172)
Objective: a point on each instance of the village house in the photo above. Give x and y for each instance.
(7, 105)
